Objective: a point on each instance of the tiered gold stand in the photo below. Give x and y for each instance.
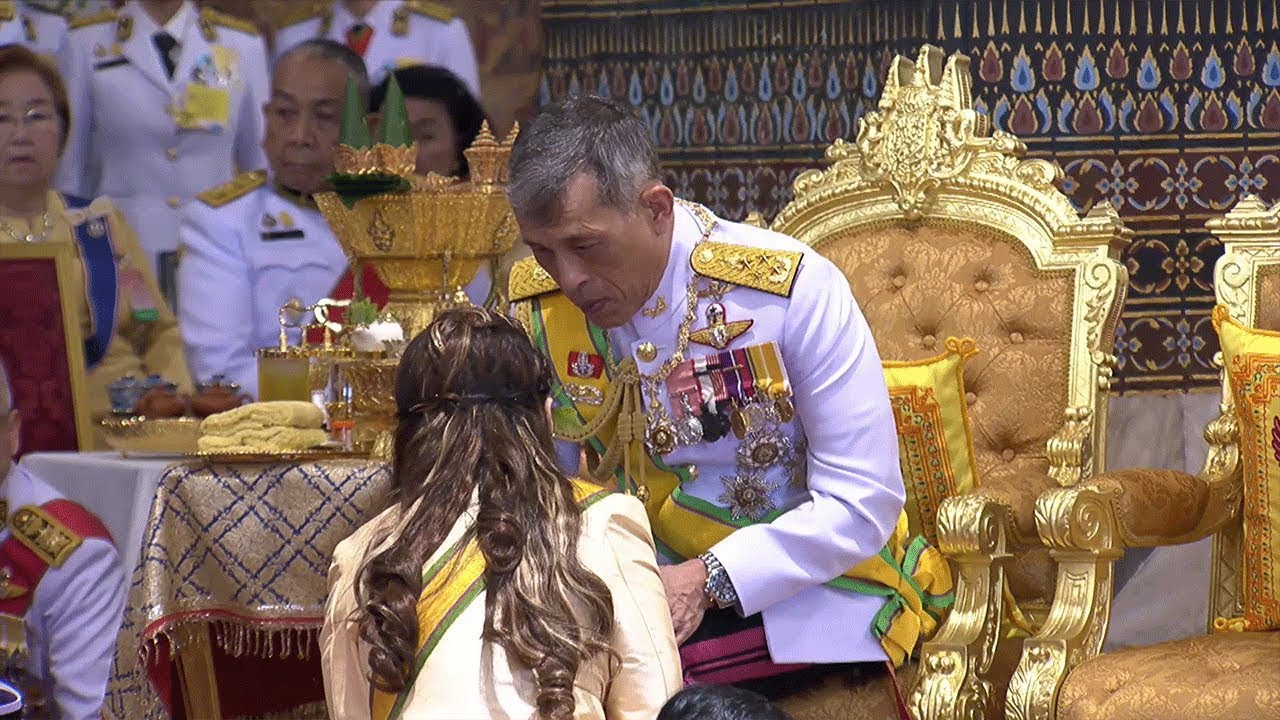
(426, 244)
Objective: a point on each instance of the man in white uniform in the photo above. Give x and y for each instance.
(389, 34)
(169, 102)
(61, 574)
(767, 453)
(251, 245)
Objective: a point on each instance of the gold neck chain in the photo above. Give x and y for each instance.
(659, 431)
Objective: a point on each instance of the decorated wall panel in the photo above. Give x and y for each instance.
(1168, 109)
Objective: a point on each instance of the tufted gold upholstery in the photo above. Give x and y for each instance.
(1232, 675)
(943, 231)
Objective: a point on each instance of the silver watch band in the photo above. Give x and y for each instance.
(719, 587)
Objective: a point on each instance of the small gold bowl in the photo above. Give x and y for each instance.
(136, 434)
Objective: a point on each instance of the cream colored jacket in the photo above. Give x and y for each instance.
(466, 679)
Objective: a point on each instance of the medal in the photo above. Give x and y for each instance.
(690, 429)
(660, 436)
(747, 495)
(718, 333)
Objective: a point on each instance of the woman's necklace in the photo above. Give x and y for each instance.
(32, 237)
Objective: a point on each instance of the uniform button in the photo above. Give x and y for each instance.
(1008, 455)
(981, 286)
(1015, 337)
(970, 398)
(899, 281)
(928, 341)
(174, 201)
(646, 352)
(171, 153)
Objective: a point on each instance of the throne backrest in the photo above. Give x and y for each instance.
(944, 230)
(1247, 281)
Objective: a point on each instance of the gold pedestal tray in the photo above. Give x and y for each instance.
(135, 434)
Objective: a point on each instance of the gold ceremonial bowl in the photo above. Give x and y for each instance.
(425, 244)
(137, 434)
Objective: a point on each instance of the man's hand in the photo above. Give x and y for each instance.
(686, 596)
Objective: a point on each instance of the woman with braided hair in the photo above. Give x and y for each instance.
(493, 586)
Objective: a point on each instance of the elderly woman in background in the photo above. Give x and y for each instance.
(128, 328)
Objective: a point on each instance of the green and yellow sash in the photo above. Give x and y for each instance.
(449, 587)
(912, 577)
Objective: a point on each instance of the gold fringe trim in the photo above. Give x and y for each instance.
(238, 639)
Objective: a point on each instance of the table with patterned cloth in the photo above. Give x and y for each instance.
(230, 587)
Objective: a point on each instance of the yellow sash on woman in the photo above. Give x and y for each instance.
(912, 577)
(449, 586)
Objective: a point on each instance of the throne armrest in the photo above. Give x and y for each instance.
(954, 681)
(1087, 525)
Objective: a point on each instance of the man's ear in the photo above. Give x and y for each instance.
(657, 202)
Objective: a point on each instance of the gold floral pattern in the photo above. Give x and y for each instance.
(1232, 676)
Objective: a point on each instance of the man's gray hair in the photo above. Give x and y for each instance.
(325, 49)
(6, 391)
(582, 134)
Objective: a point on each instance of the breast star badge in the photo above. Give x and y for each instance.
(719, 333)
(747, 495)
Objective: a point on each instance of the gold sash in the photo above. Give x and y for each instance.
(449, 586)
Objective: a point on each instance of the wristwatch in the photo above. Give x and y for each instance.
(719, 588)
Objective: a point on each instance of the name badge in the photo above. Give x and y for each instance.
(204, 108)
(272, 235)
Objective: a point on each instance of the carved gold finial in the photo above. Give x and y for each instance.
(486, 157)
(924, 130)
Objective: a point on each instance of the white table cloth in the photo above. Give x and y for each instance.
(118, 490)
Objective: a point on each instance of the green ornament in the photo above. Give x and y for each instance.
(394, 129)
(354, 131)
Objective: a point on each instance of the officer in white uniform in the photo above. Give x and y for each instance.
(255, 243)
(72, 614)
(763, 394)
(166, 111)
(389, 34)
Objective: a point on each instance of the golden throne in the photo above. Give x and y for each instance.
(1231, 675)
(944, 230)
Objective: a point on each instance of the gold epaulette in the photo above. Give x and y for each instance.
(234, 188)
(302, 12)
(528, 280)
(49, 539)
(771, 271)
(433, 10)
(105, 16)
(7, 11)
(221, 19)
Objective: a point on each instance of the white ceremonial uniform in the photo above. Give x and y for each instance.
(241, 262)
(75, 612)
(151, 143)
(403, 33)
(841, 497)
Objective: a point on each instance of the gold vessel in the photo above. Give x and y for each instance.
(135, 434)
(426, 236)
(428, 242)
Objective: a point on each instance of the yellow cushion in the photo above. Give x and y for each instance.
(935, 443)
(1252, 361)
